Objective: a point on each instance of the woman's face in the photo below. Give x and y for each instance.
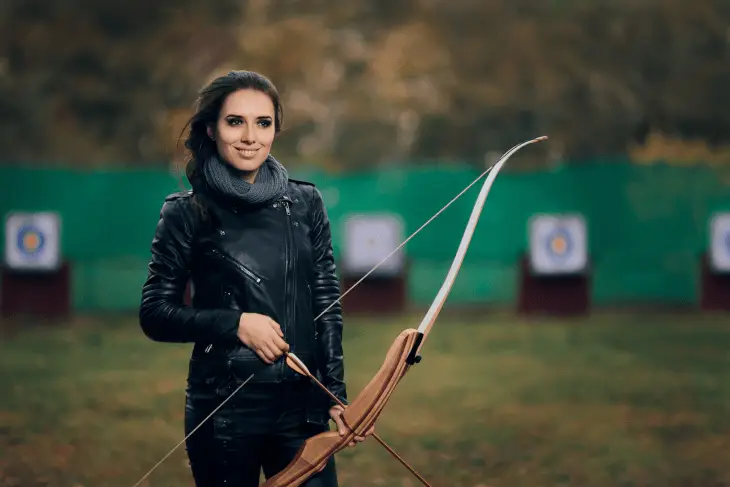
(245, 130)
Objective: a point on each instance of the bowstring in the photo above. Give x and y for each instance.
(193, 431)
(405, 242)
(461, 193)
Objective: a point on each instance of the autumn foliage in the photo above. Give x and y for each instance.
(369, 82)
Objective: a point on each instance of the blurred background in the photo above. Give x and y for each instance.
(585, 341)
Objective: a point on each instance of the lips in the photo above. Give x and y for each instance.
(247, 152)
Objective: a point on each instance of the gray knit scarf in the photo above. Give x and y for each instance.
(269, 185)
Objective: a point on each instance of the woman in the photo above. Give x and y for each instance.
(257, 247)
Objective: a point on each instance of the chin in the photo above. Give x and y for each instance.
(246, 165)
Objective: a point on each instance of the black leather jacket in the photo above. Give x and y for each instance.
(276, 260)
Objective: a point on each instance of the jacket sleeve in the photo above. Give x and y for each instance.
(162, 315)
(325, 290)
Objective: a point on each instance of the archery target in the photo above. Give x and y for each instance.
(720, 242)
(558, 244)
(371, 238)
(32, 241)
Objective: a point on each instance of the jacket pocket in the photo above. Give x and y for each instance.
(206, 374)
(250, 275)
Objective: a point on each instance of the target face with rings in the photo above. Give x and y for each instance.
(719, 251)
(370, 238)
(558, 244)
(32, 241)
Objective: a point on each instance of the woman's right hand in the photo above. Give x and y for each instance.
(262, 335)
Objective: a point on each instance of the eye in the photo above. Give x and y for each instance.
(265, 123)
(235, 121)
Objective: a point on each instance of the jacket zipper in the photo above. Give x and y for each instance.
(289, 270)
(239, 266)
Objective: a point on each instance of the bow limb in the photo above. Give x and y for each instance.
(362, 413)
(430, 318)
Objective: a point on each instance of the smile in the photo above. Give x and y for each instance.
(248, 152)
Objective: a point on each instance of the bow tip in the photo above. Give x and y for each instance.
(542, 137)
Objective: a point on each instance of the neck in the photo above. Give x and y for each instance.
(250, 176)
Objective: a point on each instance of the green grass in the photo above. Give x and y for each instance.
(619, 400)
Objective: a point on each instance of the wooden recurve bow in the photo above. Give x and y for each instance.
(361, 414)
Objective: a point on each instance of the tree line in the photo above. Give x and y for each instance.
(371, 82)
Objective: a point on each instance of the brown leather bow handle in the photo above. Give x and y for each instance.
(359, 416)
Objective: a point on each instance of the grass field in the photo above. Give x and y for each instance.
(620, 400)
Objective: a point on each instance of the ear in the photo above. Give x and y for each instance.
(211, 133)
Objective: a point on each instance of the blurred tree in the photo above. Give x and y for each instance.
(372, 82)
(89, 82)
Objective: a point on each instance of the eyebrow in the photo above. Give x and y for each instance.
(234, 115)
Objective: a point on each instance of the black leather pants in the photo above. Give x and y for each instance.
(259, 429)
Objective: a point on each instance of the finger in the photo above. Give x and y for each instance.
(340, 426)
(266, 354)
(272, 352)
(281, 344)
(351, 444)
(277, 328)
(263, 357)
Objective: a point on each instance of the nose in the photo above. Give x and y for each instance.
(247, 135)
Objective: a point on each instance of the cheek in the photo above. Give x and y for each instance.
(267, 137)
(228, 135)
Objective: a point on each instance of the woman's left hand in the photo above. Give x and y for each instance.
(336, 415)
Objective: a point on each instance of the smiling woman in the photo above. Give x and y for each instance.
(245, 130)
(257, 247)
